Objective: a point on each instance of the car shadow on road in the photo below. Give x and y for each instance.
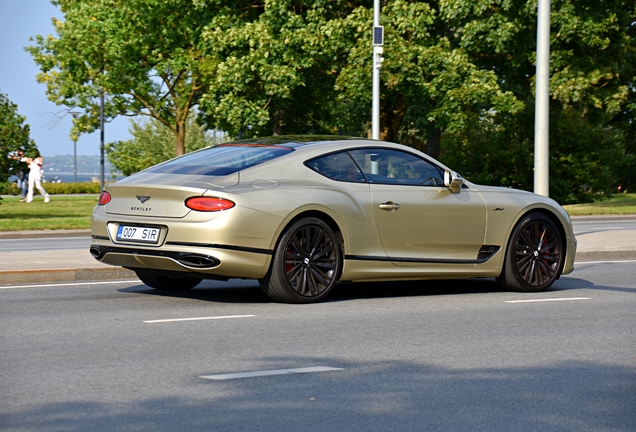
(249, 292)
(419, 288)
(237, 291)
(241, 291)
(570, 284)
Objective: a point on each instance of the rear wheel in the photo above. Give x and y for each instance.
(534, 259)
(168, 283)
(306, 263)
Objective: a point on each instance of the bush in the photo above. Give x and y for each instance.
(72, 188)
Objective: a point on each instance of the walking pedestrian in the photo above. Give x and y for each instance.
(35, 178)
(22, 172)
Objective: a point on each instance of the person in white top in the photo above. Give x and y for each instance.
(35, 178)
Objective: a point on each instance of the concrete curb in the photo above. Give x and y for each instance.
(44, 234)
(65, 275)
(605, 255)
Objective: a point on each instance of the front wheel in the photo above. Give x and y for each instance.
(535, 254)
(167, 283)
(306, 263)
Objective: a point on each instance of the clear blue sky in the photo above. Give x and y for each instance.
(19, 20)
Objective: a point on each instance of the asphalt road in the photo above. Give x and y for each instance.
(448, 356)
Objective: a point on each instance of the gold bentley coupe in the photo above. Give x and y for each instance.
(300, 213)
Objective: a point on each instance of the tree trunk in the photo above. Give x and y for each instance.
(433, 143)
(179, 135)
(391, 117)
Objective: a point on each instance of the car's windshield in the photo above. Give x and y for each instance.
(221, 160)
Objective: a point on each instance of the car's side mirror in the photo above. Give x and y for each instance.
(454, 181)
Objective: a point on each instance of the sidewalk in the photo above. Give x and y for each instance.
(77, 265)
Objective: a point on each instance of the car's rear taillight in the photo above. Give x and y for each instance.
(104, 198)
(208, 204)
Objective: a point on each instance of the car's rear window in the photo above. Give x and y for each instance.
(221, 160)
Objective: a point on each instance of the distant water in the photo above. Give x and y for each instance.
(81, 177)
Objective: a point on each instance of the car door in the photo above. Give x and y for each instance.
(419, 219)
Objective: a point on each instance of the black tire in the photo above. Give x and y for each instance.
(306, 263)
(535, 255)
(168, 283)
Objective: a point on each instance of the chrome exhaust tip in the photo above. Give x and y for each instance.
(96, 252)
(198, 260)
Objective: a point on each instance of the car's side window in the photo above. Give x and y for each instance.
(397, 167)
(337, 166)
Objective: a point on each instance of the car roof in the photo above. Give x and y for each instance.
(294, 141)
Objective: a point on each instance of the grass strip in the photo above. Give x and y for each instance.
(62, 212)
(619, 204)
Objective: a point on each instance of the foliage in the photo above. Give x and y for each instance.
(72, 188)
(273, 75)
(592, 68)
(152, 143)
(429, 83)
(144, 55)
(14, 133)
(297, 67)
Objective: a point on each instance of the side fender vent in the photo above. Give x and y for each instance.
(487, 252)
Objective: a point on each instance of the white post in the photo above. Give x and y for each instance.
(74, 114)
(377, 64)
(542, 103)
(101, 142)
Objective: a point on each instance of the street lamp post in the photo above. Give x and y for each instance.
(378, 49)
(101, 142)
(74, 114)
(542, 103)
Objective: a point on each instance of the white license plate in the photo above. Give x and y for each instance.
(138, 234)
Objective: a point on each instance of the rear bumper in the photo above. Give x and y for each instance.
(203, 262)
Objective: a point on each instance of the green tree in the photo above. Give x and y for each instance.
(273, 75)
(144, 55)
(305, 66)
(592, 68)
(429, 84)
(14, 134)
(153, 143)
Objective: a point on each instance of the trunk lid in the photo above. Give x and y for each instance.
(160, 195)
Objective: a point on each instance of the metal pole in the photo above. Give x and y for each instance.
(101, 142)
(377, 54)
(542, 103)
(74, 114)
(74, 161)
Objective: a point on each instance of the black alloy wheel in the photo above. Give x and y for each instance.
(306, 263)
(535, 255)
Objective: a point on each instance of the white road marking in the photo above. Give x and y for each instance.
(548, 300)
(198, 318)
(237, 375)
(70, 284)
(580, 230)
(605, 262)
